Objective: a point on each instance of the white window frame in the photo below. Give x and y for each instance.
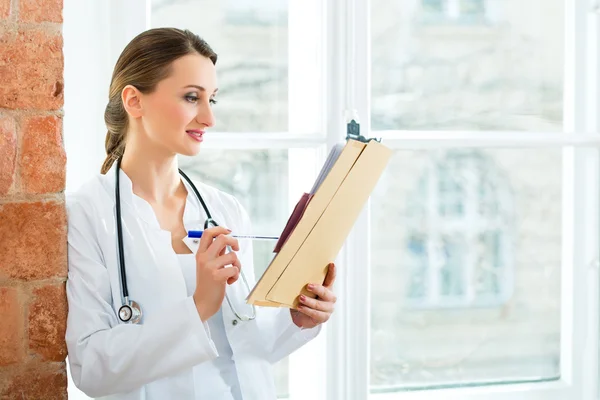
(579, 286)
(336, 366)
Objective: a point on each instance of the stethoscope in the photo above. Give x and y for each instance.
(130, 310)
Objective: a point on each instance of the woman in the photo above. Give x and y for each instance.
(189, 343)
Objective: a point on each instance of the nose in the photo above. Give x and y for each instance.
(205, 116)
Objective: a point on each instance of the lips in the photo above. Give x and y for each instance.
(195, 134)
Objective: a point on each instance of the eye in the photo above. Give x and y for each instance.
(192, 98)
(212, 101)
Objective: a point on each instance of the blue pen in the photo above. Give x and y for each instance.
(198, 235)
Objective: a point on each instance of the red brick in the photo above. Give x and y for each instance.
(31, 67)
(48, 322)
(40, 10)
(11, 328)
(43, 159)
(34, 240)
(37, 381)
(4, 9)
(8, 150)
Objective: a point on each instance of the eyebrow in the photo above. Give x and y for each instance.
(200, 88)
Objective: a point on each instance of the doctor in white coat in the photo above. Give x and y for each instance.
(189, 343)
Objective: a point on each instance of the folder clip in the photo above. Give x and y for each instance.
(353, 132)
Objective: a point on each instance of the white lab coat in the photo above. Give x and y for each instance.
(155, 360)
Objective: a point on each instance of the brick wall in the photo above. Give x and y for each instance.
(33, 261)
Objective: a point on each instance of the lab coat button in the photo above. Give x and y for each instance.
(234, 322)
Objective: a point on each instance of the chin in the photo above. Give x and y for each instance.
(189, 151)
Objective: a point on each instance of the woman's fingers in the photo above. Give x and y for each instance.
(323, 292)
(318, 310)
(316, 304)
(316, 315)
(209, 235)
(220, 243)
(214, 257)
(330, 277)
(225, 260)
(227, 274)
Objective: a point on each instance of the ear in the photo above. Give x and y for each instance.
(132, 101)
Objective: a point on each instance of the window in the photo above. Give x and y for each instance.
(455, 79)
(256, 13)
(469, 246)
(459, 233)
(475, 274)
(464, 11)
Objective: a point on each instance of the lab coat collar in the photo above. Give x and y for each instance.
(193, 214)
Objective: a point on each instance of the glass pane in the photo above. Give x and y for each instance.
(259, 180)
(472, 7)
(433, 6)
(251, 39)
(467, 65)
(466, 262)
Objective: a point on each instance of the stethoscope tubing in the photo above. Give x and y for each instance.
(130, 310)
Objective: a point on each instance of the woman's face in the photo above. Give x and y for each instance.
(176, 115)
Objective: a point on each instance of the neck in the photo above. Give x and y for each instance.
(153, 172)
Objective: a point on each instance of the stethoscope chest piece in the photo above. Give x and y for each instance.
(130, 312)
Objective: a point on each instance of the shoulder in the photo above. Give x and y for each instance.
(215, 195)
(94, 188)
(88, 199)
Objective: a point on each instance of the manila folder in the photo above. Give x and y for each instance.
(324, 226)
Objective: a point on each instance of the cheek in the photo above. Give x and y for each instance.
(172, 115)
(180, 113)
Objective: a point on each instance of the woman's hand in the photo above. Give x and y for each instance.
(312, 312)
(211, 274)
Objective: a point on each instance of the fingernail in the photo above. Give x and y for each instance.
(310, 286)
(302, 298)
(229, 230)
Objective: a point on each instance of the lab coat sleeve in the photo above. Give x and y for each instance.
(288, 336)
(105, 356)
(284, 337)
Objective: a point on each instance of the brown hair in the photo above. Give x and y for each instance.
(144, 62)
